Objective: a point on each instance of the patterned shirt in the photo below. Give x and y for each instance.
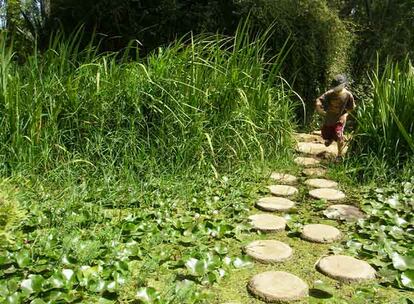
(336, 104)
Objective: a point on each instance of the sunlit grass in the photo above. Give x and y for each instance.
(384, 140)
(205, 100)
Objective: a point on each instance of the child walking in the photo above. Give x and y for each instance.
(335, 105)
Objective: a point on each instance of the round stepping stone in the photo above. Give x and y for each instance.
(274, 203)
(343, 212)
(327, 194)
(284, 178)
(267, 222)
(307, 161)
(282, 190)
(320, 233)
(321, 183)
(278, 286)
(345, 268)
(315, 148)
(269, 251)
(304, 137)
(314, 172)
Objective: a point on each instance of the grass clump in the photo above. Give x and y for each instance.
(210, 99)
(384, 139)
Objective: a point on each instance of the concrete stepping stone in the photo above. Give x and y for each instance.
(283, 190)
(284, 178)
(318, 132)
(307, 161)
(327, 194)
(278, 286)
(321, 183)
(304, 137)
(320, 233)
(267, 222)
(318, 172)
(345, 268)
(269, 251)
(343, 212)
(274, 203)
(315, 148)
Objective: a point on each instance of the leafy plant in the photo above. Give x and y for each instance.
(11, 213)
(387, 235)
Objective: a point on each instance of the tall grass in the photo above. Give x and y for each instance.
(204, 100)
(385, 132)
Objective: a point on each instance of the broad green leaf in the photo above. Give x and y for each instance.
(393, 202)
(407, 279)
(5, 258)
(56, 281)
(23, 258)
(96, 285)
(184, 288)
(32, 284)
(243, 262)
(210, 278)
(196, 267)
(14, 298)
(112, 286)
(221, 249)
(4, 290)
(147, 295)
(402, 262)
(13, 284)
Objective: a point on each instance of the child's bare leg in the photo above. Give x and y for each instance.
(341, 145)
(328, 142)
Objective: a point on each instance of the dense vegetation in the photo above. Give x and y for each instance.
(385, 126)
(134, 139)
(209, 100)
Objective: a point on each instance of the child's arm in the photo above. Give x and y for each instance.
(319, 106)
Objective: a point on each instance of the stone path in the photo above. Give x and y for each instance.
(283, 190)
(269, 251)
(279, 286)
(275, 203)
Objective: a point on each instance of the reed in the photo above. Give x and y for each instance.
(385, 124)
(204, 100)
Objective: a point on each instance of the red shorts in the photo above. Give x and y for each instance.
(333, 132)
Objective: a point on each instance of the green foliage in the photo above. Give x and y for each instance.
(385, 125)
(107, 240)
(321, 40)
(11, 214)
(383, 27)
(386, 237)
(210, 99)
